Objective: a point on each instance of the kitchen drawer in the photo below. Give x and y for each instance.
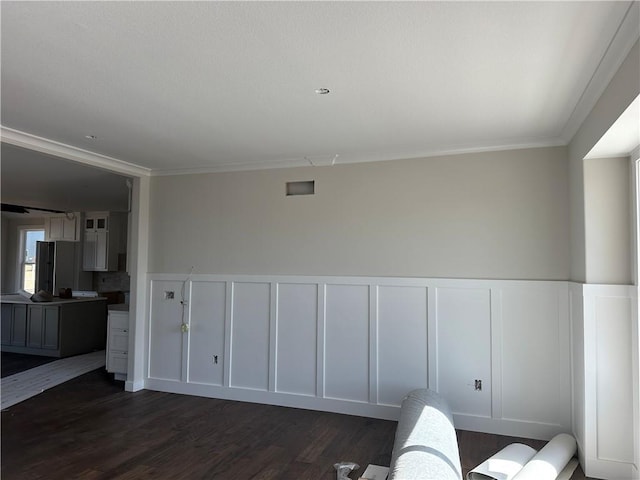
(117, 362)
(119, 320)
(118, 343)
(118, 340)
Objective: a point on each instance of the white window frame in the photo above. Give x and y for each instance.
(634, 159)
(22, 236)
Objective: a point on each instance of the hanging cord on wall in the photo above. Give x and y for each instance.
(184, 324)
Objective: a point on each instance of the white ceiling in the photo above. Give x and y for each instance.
(209, 86)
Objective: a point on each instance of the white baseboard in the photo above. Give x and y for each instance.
(131, 386)
(383, 412)
(275, 398)
(510, 428)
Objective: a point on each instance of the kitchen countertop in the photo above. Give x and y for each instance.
(19, 299)
(118, 307)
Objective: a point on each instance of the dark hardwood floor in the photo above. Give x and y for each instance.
(89, 428)
(12, 363)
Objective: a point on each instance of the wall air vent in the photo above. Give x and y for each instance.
(301, 188)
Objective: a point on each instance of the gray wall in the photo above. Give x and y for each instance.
(608, 221)
(483, 215)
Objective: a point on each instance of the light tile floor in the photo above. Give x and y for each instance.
(21, 386)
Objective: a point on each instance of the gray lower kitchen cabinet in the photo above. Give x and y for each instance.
(50, 328)
(43, 327)
(5, 324)
(14, 325)
(56, 329)
(18, 326)
(34, 333)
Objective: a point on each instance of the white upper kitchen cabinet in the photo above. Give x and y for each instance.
(64, 226)
(104, 239)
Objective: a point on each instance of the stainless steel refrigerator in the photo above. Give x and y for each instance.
(59, 265)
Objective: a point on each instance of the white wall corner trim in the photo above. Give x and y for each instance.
(51, 147)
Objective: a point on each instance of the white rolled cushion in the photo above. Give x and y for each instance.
(550, 460)
(426, 447)
(505, 464)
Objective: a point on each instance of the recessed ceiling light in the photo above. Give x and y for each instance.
(322, 91)
(91, 137)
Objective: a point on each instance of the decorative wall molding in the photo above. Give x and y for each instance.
(357, 345)
(605, 396)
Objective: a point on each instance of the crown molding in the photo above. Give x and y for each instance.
(366, 157)
(624, 39)
(231, 167)
(75, 154)
(86, 157)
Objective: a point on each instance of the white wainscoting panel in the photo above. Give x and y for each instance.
(296, 355)
(613, 379)
(358, 345)
(463, 320)
(401, 342)
(536, 354)
(346, 365)
(606, 374)
(250, 335)
(207, 332)
(165, 335)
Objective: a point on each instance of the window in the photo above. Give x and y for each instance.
(28, 239)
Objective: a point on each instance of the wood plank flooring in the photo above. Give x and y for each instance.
(13, 363)
(89, 428)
